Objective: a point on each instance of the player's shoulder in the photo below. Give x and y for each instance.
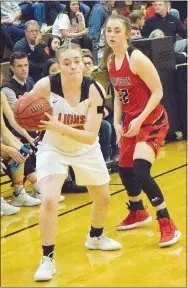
(42, 87)
(97, 93)
(137, 57)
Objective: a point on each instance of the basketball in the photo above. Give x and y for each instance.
(29, 111)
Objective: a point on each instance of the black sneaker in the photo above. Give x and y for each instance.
(71, 187)
(109, 164)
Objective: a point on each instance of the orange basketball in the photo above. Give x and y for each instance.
(29, 111)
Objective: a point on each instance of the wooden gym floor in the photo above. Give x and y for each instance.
(140, 263)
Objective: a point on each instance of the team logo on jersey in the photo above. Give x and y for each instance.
(75, 121)
(124, 96)
(121, 81)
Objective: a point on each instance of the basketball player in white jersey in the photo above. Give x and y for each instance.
(71, 139)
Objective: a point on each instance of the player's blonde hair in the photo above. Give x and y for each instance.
(68, 45)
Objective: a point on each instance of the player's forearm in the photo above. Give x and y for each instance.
(5, 148)
(8, 148)
(151, 105)
(19, 129)
(117, 111)
(83, 136)
(10, 140)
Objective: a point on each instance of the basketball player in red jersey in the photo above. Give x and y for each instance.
(138, 92)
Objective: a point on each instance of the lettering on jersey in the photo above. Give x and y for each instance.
(124, 96)
(121, 81)
(76, 121)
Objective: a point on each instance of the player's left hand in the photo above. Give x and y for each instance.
(51, 124)
(134, 128)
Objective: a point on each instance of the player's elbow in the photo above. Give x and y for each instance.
(91, 139)
(158, 95)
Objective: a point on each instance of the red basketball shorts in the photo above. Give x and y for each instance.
(153, 134)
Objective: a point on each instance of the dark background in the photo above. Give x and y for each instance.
(181, 6)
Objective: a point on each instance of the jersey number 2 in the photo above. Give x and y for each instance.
(124, 96)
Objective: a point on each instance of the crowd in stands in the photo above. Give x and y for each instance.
(23, 27)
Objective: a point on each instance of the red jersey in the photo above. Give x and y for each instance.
(133, 92)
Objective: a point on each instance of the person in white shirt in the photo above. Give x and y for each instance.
(70, 23)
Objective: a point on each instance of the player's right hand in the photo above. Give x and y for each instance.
(119, 132)
(15, 155)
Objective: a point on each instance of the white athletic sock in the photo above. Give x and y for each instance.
(36, 187)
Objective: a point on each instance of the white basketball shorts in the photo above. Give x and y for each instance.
(89, 168)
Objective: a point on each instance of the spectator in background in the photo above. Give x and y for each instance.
(50, 67)
(170, 25)
(71, 24)
(137, 19)
(5, 41)
(150, 11)
(32, 11)
(53, 8)
(53, 43)
(98, 16)
(10, 15)
(19, 197)
(119, 7)
(157, 33)
(20, 82)
(33, 46)
(139, 6)
(128, 8)
(135, 33)
(10, 147)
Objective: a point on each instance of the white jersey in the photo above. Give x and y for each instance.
(71, 116)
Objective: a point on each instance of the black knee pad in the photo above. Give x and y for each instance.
(141, 170)
(129, 181)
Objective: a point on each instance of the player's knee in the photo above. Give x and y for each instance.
(129, 181)
(48, 203)
(103, 200)
(141, 170)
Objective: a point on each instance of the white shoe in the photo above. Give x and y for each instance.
(7, 209)
(38, 196)
(102, 243)
(46, 269)
(23, 199)
(61, 198)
